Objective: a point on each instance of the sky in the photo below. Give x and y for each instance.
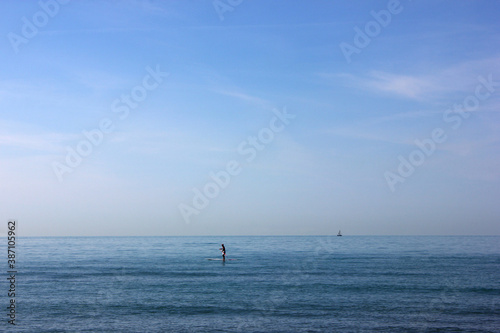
(239, 117)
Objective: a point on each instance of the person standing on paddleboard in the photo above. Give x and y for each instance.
(223, 249)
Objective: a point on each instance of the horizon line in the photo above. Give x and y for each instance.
(329, 235)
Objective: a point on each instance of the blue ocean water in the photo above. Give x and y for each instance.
(277, 284)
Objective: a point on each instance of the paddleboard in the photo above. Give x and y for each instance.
(219, 259)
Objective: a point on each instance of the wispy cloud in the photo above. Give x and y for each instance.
(36, 142)
(427, 86)
(22, 136)
(246, 98)
(100, 80)
(367, 133)
(403, 85)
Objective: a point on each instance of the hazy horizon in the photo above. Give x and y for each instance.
(332, 235)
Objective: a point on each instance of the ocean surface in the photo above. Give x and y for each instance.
(277, 284)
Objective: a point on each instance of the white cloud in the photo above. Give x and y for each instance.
(458, 78)
(403, 85)
(30, 137)
(247, 98)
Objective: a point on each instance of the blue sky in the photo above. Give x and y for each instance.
(224, 78)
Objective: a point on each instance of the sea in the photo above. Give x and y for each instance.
(271, 284)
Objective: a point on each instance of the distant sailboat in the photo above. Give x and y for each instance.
(339, 234)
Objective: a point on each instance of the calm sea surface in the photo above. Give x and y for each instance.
(277, 284)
